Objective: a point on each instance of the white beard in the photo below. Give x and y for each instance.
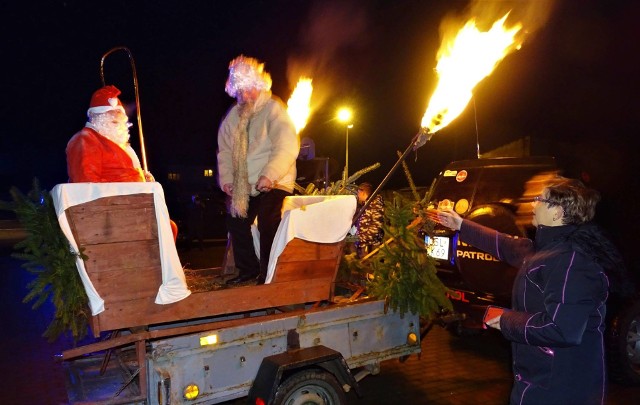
(118, 133)
(119, 137)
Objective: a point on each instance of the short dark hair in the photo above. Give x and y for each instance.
(577, 201)
(366, 187)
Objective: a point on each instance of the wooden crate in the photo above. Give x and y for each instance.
(119, 235)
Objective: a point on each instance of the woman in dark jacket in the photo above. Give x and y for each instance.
(556, 323)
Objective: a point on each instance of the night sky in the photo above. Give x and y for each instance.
(572, 88)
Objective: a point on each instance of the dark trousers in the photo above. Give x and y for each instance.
(266, 207)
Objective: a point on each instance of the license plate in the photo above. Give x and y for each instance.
(437, 247)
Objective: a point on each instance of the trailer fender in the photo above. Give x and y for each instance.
(274, 368)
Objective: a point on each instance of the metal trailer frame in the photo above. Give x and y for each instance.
(360, 334)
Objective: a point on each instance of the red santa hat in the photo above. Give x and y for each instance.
(105, 99)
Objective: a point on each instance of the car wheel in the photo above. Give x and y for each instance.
(623, 346)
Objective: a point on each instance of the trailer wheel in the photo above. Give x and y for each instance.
(313, 387)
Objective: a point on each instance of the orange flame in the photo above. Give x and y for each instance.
(299, 103)
(463, 62)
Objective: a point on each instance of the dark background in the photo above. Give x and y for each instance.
(571, 89)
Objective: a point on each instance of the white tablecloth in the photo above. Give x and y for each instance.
(322, 219)
(174, 286)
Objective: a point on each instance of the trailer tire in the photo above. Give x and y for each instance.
(310, 386)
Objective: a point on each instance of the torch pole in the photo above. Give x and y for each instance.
(143, 152)
(418, 140)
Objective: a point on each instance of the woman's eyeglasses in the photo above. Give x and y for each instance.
(540, 198)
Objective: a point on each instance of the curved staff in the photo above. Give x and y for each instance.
(143, 152)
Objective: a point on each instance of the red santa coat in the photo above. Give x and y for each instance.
(93, 158)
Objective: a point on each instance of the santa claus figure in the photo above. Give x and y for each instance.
(100, 152)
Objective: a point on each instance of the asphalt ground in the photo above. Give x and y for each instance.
(450, 369)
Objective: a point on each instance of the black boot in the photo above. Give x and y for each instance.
(242, 278)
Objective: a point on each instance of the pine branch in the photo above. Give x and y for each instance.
(409, 177)
(49, 257)
(404, 275)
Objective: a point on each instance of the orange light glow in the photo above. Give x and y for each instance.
(299, 104)
(463, 62)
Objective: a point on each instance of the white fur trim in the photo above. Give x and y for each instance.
(104, 108)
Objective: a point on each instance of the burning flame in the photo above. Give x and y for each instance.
(298, 105)
(462, 64)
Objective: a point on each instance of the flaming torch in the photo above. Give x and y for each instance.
(298, 105)
(463, 61)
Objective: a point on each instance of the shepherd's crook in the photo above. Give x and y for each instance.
(135, 88)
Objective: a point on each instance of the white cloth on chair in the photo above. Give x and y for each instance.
(322, 219)
(174, 287)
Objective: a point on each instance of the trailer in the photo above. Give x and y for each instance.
(292, 340)
(271, 356)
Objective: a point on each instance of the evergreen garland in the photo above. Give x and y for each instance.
(344, 186)
(350, 267)
(48, 255)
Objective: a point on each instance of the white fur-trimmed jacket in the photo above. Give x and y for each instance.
(273, 146)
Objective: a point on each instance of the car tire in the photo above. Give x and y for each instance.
(623, 346)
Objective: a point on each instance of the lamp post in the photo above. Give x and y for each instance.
(345, 115)
(346, 153)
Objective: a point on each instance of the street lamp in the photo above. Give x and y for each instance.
(345, 115)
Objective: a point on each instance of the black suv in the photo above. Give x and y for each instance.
(497, 193)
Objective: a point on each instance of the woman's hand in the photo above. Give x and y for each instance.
(494, 323)
(450, 219)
